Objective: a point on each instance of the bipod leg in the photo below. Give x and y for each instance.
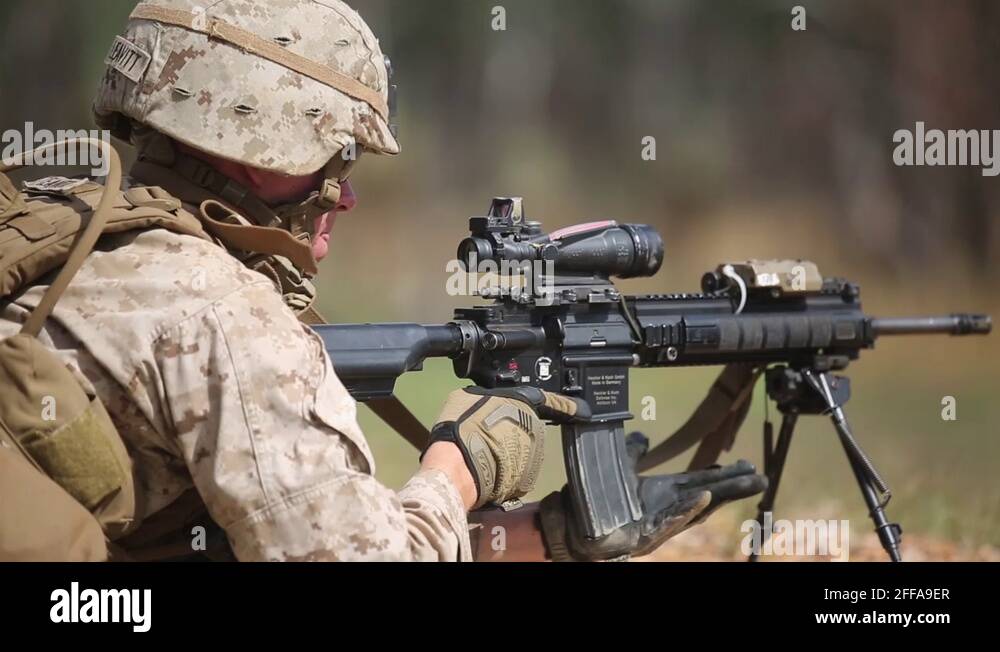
(869, 480)
(774, 464)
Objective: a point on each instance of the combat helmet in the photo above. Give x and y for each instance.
(288, 86)
(282, 85)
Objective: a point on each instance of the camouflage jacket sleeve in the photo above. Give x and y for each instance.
(272, 443)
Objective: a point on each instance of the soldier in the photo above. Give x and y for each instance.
(190, 329)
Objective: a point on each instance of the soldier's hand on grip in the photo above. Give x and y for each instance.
(501, 435)
(671, 503)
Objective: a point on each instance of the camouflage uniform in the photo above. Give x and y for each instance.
(212, 381)
(208, 375)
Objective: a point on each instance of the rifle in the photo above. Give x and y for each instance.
(573, 332)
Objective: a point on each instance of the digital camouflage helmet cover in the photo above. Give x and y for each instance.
(281, 85)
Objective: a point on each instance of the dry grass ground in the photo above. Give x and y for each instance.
(720, 541)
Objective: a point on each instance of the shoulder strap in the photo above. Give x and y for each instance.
(86, 240)
(714, 423)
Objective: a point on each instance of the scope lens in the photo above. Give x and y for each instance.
(474, 250)
(648, 250)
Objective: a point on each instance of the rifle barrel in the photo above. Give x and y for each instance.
(955, 324)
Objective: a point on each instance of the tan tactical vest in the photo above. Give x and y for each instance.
(47, 419)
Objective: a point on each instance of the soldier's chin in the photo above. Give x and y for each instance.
(321, 246)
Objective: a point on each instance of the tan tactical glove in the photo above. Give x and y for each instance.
(501, 435)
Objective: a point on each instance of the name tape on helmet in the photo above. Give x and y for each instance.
(128, 59)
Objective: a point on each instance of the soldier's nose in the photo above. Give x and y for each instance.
(348, 200)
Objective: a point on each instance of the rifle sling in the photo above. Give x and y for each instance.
(721, 438)
(398, 417)
(714, 423)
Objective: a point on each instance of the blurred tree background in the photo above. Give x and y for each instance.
(770, 143)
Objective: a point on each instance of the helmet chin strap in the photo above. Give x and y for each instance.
(300, 218)
(261, 221)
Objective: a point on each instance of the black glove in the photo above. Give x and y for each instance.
(670, 503)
